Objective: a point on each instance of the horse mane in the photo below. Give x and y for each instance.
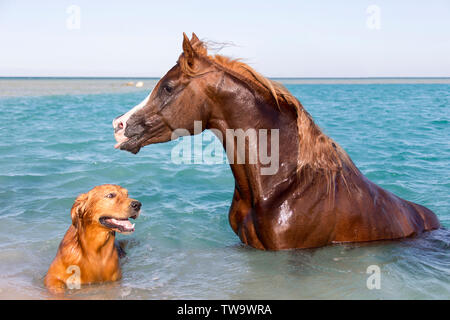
(317, 153)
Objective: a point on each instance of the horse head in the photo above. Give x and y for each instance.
(178, 99)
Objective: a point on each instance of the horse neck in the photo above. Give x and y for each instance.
(245, 111)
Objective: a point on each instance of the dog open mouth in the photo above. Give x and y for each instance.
(121, 225)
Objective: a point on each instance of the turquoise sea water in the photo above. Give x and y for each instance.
(57, 142)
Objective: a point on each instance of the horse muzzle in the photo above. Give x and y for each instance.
(126, 135)
(119, 135)
(139, 131)
(120, 124)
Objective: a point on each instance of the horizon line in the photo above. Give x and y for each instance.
(154, 78)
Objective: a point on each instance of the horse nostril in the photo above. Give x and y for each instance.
(117, 123)
(118, 126)
(136, 205)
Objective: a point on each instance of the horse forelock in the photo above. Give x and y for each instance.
(317, 153)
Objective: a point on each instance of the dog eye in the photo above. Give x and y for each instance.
(110, 195)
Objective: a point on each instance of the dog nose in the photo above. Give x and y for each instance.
(136, 205)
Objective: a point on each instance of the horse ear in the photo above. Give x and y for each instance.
(78, 208)
(188, 50)
(194, 38)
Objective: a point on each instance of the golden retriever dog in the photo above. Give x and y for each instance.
(88, 254)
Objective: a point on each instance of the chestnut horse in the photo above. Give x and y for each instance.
(316, 198)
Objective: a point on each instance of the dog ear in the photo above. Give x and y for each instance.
(78, 208)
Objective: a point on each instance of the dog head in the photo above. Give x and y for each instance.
(107, 206)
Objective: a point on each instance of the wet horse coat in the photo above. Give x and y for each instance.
(317, 197)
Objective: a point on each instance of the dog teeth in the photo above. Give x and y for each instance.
(132, 226)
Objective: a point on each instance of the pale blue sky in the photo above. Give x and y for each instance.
(277, 38)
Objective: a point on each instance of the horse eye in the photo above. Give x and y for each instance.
(110, 195)
(168, 89)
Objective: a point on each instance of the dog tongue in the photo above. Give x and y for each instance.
(124, 223)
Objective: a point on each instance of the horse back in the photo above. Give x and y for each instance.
(367, 212)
